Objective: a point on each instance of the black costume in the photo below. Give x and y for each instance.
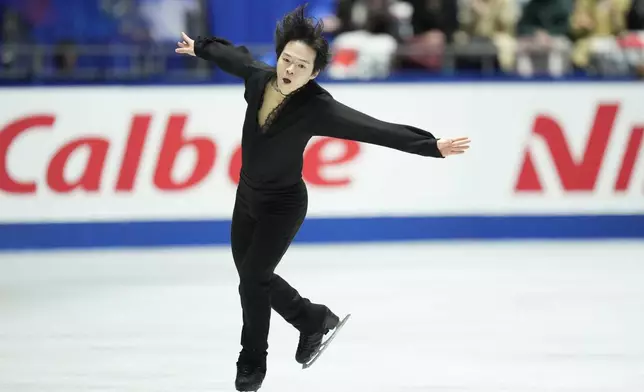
(271, 199)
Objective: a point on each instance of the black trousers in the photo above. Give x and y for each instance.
(264, 224)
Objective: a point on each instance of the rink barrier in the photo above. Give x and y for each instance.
(323, 231)
(148, 170)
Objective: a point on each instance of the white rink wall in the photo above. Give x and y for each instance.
(95, 167)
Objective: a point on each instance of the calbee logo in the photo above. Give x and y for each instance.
(123, 164)
(581, 175)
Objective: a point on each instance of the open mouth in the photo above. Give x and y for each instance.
(286, 80)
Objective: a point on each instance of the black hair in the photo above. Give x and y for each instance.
(297, 27)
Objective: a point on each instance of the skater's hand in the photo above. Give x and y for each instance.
(456, 146)
(187, 46)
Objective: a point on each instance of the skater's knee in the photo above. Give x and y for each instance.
(255, 278)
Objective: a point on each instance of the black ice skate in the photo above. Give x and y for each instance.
(250, 374)
(310, 346)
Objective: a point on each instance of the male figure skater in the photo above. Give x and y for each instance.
(286, 107)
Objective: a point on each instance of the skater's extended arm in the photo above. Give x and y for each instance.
(340, 121)
(235, 60)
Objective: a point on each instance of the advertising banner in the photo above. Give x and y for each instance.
(167, 156)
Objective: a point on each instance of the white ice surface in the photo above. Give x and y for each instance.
(453, 317)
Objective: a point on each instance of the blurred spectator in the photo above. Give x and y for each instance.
(595, 25)
(434, 23)
(488, 26)
(635, 17)
(150, 26)
(65, 59)
(168, 18)
(128, 39)
(633, 42)
(130, 44)
(15, 33)
(366, 38)
(543, 44)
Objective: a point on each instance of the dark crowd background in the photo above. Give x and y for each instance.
(102, 41)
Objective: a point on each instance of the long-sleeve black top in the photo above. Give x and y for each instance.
(272, 157)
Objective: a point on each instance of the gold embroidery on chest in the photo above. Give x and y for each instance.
(271, 104)
(268, 106)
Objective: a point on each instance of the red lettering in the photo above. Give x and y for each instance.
(7, 137)
(314, 161)
(235, 165)
(580, 176)
(90, 179)
(87, 175)
(173, 142)
(630, 156)
(133, 151)
(528, 177)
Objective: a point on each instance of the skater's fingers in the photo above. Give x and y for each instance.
(461, 145)
(186, 38)
(183, 51)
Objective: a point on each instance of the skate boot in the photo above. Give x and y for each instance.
(250, 373)
(310, 341)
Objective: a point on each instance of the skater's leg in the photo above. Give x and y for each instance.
(261, 287)
(285, 300)
(296, 310)
(261, 234)
(288, 303)
(272, 236)
(259, 241)
(241, 230)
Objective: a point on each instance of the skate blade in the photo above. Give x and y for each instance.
(326, 343)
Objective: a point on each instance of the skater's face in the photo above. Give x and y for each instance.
(295, 66)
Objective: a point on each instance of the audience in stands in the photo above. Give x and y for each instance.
(15, 31)
(433, 24)
(370, 38)
(635, 17)
(487, 27)
(633, 41)
(595, 25)
(542, 33)
(366, 35)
